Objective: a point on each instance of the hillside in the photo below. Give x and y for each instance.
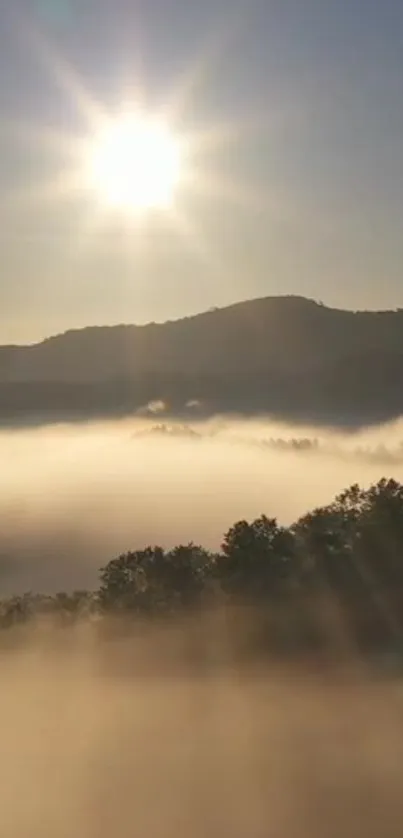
(288, 356)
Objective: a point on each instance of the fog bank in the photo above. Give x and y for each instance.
(92, 754)
(72, 497)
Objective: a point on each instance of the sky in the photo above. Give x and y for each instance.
(302, 102)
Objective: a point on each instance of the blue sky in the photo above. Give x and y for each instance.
(312, 91)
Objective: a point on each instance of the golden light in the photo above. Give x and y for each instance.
(135, 163)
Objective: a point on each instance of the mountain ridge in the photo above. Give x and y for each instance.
(285, 355)
(281, 299)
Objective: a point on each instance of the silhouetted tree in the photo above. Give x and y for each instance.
(17, 610)
(126, 582)
(352, 550)
(336, 574)
(152, 580)
(376, 545)
(257, 559)
(189, 569)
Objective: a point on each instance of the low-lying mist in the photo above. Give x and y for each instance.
(111, 729)
(74, 496)
(93, 753)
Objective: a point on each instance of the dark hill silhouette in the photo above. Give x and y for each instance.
(288, 356)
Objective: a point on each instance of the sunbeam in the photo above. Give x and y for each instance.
(130, 162)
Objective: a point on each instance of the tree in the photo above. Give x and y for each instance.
(257, 558)
(353, 550)
(126, 582)
(152, 580)
(329, 574)
(17, 610)
(188, 571)
(378, 550)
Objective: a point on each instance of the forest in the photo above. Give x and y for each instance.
(329, 585)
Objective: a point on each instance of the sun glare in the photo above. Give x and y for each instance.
(135, 163)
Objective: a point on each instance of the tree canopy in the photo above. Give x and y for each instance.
(338, 568)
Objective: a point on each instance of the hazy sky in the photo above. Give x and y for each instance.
(311, 98)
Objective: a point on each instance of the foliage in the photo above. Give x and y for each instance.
(257, 558)
(343, 560)
(152, 580)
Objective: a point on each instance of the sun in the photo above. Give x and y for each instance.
(135, 162)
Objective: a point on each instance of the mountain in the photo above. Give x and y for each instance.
(288, 356)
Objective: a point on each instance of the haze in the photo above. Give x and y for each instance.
(93, 753)
(75, 496)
